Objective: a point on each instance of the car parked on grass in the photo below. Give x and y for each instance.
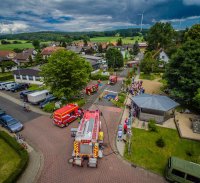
(19, 87)
(10, 123)
(49, 99)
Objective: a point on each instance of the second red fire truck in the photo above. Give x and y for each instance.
(88, 140)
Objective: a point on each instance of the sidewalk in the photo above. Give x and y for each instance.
(20, 103)
(121, 144)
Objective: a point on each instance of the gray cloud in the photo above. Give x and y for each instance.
(86, 15)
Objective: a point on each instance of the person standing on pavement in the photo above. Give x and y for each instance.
(125, 128)
(119, 135)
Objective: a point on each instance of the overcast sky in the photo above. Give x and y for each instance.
(90, 15)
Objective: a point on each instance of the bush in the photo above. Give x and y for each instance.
(152, 125)
(99, 76)
(49, 107)
(160, 142)
(22, 153)
(6, 77)
(81, 102)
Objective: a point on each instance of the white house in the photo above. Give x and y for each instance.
(163, 57)
(28, 76)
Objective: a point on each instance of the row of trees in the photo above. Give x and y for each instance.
(183, 71)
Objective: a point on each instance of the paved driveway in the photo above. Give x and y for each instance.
(17, 111)
(56, 145)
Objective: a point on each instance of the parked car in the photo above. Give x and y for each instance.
(10, 123)
(3, 84)
(2, 112)
(19, 87)
(47, 100)
(8, 86)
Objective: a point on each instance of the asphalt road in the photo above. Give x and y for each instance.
(17, 111)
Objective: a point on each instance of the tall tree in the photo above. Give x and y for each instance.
(100, 48)
(193, 33)
(148, 64)
(136, 48)
(66, 73)
(160, 35)
(36, 44)
(38, 58)
(30, 59)
(114, 58)
(183, 72)
(119, 42)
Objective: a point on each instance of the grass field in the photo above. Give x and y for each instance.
(145, 153)
(9, 160)
(126, 40)
(23, 45)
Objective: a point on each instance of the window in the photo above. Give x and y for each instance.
(193, 178)
(24, 78)
(17, 76)
(178, 173)
(163, 57)
(30, 77)
(37, 78)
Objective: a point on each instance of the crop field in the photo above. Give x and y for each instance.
(125, 40)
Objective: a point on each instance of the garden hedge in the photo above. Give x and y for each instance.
(6, 77)
(23, 154)
(99, 76)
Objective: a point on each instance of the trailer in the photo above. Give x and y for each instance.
(88, 140)
(112, 79)
(37, 97)
(91, 89)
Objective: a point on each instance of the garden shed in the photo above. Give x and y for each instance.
(156, 107)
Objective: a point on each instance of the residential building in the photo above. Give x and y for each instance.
(163, 57)
(28, 76)
(23, 57)
(46, 52)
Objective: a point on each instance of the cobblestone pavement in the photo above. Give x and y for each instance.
(56, 144)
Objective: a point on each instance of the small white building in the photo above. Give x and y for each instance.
(163, 57)
(30, 76)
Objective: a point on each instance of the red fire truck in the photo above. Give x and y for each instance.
(112, 79)
(91, 89)
(65, 115)
(88, 140)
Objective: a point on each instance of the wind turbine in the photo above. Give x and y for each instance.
(142, 16)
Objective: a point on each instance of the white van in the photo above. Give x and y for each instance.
(2, 85)
(8, 86)
(36, 97)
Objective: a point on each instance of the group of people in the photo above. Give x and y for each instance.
(136, 88)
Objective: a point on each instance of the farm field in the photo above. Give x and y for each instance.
(125, 40)
(145, 152)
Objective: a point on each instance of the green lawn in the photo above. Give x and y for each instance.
(37, 87)
(23, 45)
(125, 40)
(145, 153)
(9, 160)
(151, 76)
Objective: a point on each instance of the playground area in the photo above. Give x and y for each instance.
(184, 126)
